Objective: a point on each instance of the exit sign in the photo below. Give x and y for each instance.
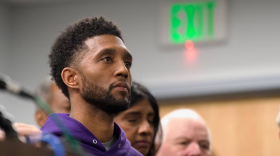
(196, 20)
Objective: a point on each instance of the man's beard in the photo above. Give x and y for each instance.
(103, 99)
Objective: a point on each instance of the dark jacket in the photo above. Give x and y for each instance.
(87, 140)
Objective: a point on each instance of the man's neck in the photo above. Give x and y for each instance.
(98, 122)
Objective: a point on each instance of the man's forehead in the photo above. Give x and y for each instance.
(104, 41)
(187, 128)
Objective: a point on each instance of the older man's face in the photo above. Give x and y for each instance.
(186, 137)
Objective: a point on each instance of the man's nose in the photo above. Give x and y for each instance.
(121, 69)
(193, 149)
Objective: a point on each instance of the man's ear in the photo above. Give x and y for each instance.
(70, 77)
(41, 117)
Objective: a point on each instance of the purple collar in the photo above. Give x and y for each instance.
(87, 140)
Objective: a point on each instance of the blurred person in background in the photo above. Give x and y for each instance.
(185, 133)
(49, 92)
(141, 121)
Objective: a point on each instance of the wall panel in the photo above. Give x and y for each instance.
(239, 126)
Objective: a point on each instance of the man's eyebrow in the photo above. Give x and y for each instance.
(110, 51)
(107, 51)
(204, 141)
(127, 55)
(182, 138)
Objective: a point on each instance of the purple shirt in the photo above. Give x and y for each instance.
(88, 141)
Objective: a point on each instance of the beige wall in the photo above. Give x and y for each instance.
(240, 127)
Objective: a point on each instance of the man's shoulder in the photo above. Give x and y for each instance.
(57, 123)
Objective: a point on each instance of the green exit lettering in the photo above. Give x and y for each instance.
(192, 21)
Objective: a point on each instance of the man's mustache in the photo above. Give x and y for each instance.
(114, 83)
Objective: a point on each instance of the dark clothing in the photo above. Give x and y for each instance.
(87, 140)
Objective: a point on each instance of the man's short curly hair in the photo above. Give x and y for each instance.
(68, 47)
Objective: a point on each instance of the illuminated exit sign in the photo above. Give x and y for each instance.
(196, 20)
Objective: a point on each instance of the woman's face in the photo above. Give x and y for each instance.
(137, 122)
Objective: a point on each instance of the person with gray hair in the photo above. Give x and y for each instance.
(52, 95)
(48, 92)
(185, 133)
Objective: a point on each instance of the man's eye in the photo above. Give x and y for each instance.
(183, 143)
(107, 59)
(127, 64)
(204, 146)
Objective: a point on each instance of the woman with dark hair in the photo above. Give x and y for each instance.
(141, 121)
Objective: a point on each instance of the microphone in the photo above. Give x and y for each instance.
(15, 89)
(2, 84)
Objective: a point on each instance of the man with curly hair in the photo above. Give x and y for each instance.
(91, 65)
